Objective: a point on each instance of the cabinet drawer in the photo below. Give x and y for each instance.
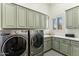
(75, 43)
(65, 41)
(56, 39)
(47, 38)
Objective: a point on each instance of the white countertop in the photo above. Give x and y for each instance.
(76, 39)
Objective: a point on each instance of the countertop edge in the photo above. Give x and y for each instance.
(75, 39)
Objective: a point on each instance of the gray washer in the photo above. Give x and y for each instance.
(13, 43)
(36, 42)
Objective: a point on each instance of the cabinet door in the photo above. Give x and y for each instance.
(30, 18)
(69, 19)
(37, 20)
(9, 16)
(76, 17)
(56, 44)
(43, 21)
(45, 46)
(21, 17)
(0, 15)
(49, 44)
(52, 42)
(64, 48)
(75, 50)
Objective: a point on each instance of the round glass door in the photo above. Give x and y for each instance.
(37, 40)
(14, 46)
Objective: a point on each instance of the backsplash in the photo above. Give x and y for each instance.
(74, 31)
(67, 31)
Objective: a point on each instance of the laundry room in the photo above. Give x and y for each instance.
(39, 29)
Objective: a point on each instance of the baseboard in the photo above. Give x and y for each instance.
(59, 52)
(54, 50)
(47, 51)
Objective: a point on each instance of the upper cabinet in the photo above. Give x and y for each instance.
(9, 15)
(21, 17)
(72, 18)
(37, 20)
(42, 21)
(16, 16)
(76, 17)
(0, 14)
(69, 19)
(30, 18)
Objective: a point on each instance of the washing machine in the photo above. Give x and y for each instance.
(36, 42)
(14, 43)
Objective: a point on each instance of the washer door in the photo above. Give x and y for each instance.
(37, 40)
(14, 46)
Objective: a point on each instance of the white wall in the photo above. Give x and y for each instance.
(59, 9)
(41, 7)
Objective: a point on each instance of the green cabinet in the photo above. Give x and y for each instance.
(74, 48)
(15, 16)
(62, 45)
(37, 20)
(47, 44)
(69, 19)
(0, 15)
(21, 17)
(40, 20)
(76, 17)
(30, 18)
(72, 18)
(9, 15)
(56, 43)
(65, 46)
(43, 19)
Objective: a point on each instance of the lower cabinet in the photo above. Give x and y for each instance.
(61, 45)
(56, 43)
(47, 44)
(74, 48)
(65, 46)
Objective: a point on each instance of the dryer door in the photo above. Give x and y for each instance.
(37, 40)
(14, 46)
